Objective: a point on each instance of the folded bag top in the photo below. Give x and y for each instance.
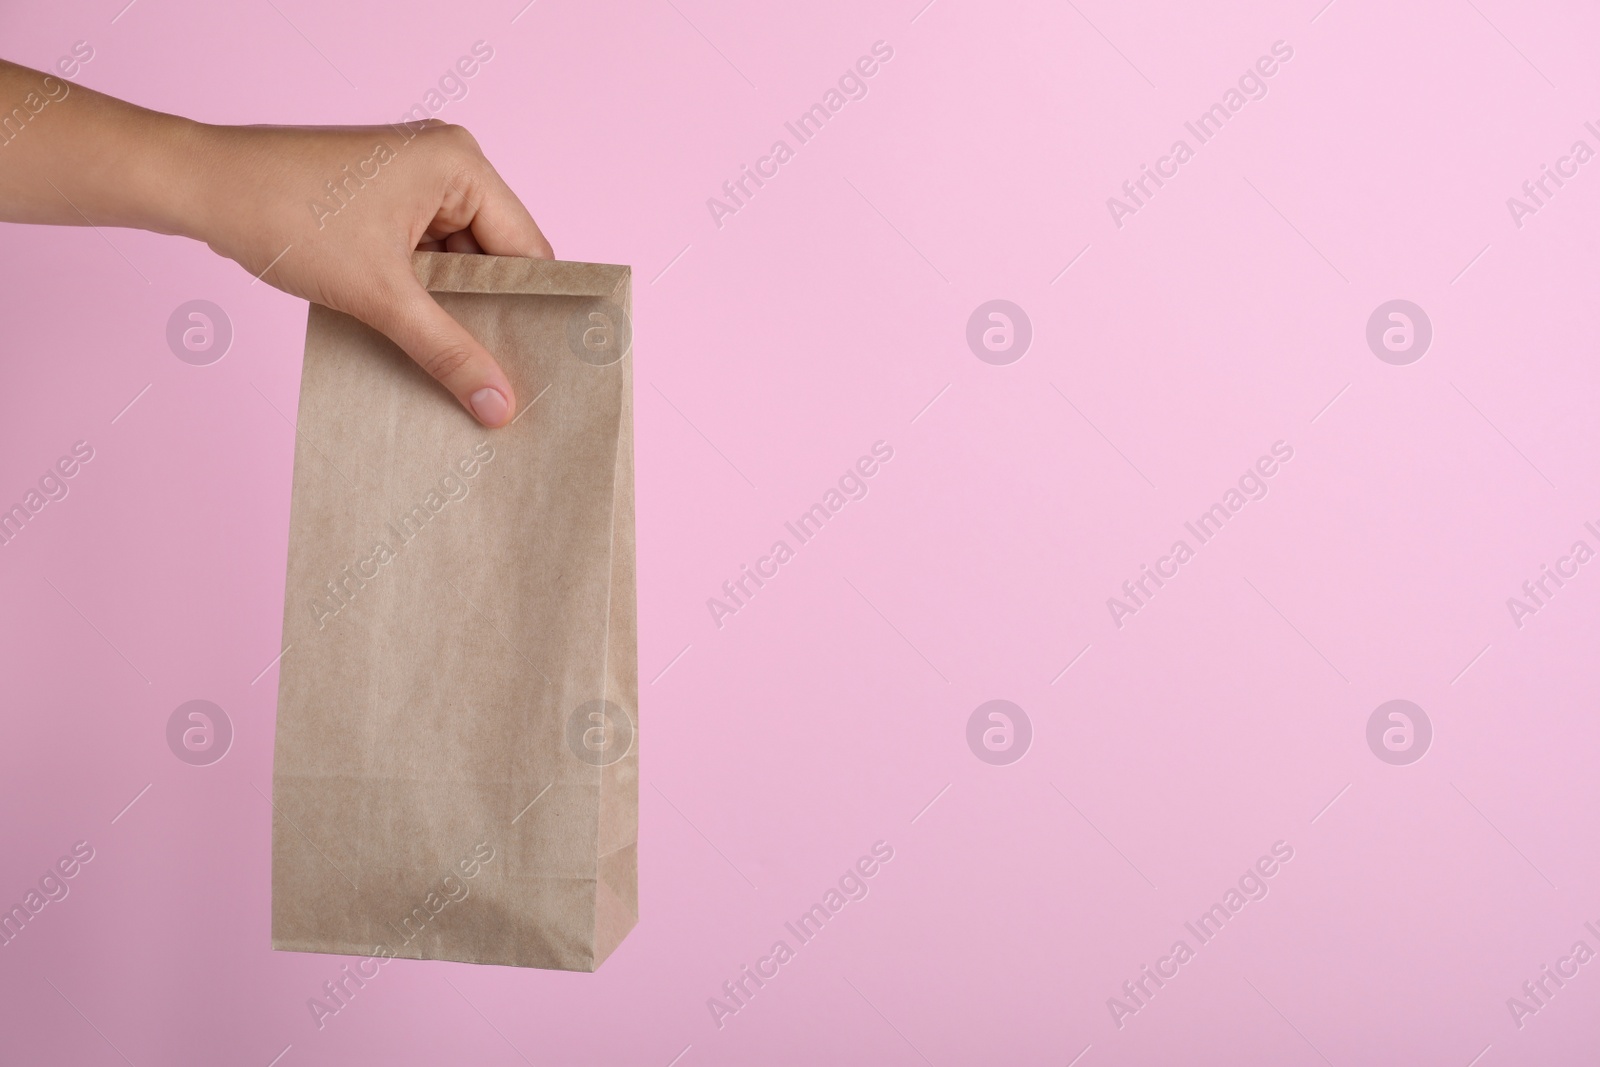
(456, 762)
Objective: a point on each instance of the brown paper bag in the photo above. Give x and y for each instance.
(456, 770)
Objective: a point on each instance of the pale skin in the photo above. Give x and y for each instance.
(78, 157)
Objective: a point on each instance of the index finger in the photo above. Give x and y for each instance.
(501, 224)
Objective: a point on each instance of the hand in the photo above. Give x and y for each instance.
(332, 215)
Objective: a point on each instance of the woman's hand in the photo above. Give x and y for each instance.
(331, 214)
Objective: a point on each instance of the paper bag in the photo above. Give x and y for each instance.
(456, 771)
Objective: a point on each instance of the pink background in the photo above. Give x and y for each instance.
(826, 715)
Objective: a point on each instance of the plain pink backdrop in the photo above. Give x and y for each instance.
(826, 715)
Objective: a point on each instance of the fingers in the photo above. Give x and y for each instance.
(503, 227)
(409, 317)
(478, 212)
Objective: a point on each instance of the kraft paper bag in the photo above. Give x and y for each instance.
(456, 771)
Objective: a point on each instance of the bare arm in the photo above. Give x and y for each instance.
(330, 214)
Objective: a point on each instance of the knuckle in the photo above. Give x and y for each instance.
(462, 136)
(450, 138)
(445, 362)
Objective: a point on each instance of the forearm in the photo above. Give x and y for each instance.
(71, 156)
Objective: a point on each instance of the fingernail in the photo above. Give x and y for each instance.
(490, 406)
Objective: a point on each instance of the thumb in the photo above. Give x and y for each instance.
(414, 321)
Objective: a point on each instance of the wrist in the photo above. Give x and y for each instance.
(170, 183)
